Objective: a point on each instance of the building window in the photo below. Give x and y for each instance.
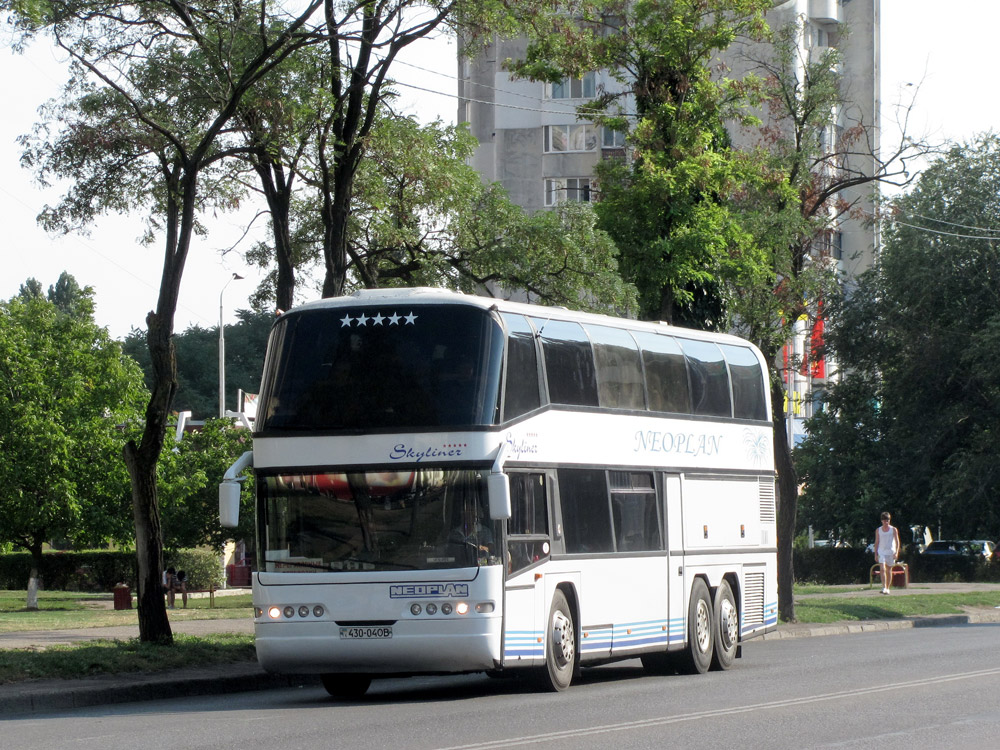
(574, 88)
(567, 190)
(613, 139)
(578, 137)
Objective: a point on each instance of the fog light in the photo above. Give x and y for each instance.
(432, 609)
(289, 611)
(446, 608)
(274, 613)
(415, 609)
(462, 608)
(318, 611)
(303, 611)
(484, 608)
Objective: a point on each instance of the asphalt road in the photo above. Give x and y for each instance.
(929, 688)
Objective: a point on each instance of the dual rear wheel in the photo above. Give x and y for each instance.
(713, 633)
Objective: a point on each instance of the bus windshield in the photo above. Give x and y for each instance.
(382, 367)
(370, 521)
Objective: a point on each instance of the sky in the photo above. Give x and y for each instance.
(945, 54)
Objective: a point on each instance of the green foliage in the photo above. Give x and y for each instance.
(188, 478)
(914, 422)
(667, 210)
(202, 567)
(70, 400)
(832, 565)
(198, 362)
(97, 570)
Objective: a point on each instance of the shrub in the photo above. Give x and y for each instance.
(89, 570)
(203, 567)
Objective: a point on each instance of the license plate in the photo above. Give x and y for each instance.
(366, 632)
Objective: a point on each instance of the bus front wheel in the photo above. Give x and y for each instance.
(346, 686)
(560, 649)
(697, 656)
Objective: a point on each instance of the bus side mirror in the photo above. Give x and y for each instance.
(229, 504)
(499, 489)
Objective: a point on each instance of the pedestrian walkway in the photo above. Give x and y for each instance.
(56, 695)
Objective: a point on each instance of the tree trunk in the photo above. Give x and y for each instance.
(335, 220)
(788, 499)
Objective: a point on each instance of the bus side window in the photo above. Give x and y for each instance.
(586, 511)
(749, 401)
(569, 363)
(709, 378)
(528, 526)
(521, 392)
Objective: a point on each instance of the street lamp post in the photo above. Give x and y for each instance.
(222, 351)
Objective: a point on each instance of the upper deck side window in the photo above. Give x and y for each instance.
(521, 384)
(569, 362)
(619, 368)
(709, 378)
(749, 400)
(382, 367)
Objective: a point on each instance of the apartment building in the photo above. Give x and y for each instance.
(532, 142)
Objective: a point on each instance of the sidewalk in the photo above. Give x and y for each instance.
(57, 695)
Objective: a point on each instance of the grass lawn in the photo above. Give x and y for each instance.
(114, 657)
(61, 610)
(821, 609)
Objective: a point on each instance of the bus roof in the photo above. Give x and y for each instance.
(434, 296)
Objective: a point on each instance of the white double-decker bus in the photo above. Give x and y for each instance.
(449, 483)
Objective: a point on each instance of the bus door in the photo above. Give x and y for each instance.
(528, 546)
(676, 589)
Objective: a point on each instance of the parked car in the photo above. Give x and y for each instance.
(981, 548)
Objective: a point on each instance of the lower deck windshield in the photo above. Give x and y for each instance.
(370, 521)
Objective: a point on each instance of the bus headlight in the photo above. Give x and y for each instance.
(415, 609)
(318, 610)
(432, 609)
(303, 611)
(289, 612)
(462, 608)
(446, 608)
(274, 612)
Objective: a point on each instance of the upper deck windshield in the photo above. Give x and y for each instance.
(371, 521)
(382, 367)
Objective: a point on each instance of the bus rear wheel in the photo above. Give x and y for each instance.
(560, 648)
(697, 657)
(726, 627)
(346, 686)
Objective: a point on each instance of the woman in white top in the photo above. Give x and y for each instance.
(886, 549)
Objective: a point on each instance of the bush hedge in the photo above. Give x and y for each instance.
(845, 565)
(101, 570)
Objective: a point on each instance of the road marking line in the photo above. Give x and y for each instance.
(713, 713)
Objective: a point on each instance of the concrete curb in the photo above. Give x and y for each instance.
(44, 696)
(59, 695)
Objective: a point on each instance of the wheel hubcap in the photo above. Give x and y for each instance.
(563, 640)
(729, 624)
(703, 628)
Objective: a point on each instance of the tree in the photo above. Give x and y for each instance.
(822, 151)
(69, 400)
(143, 124)
(198, 361)
(666, 208)
(189, 474)
(918, 340)
(421, 216)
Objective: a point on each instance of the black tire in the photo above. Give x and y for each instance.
(697, 656)
(725, 627)
(560, 645)
(346, 686)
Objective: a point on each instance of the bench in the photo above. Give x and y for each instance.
(899, 574)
